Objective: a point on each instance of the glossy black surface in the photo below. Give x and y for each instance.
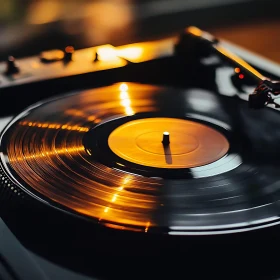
(44, 152)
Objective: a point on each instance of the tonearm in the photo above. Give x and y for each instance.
(266, 89)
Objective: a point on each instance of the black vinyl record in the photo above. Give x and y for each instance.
(58, 153)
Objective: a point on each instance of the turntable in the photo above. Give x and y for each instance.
(175, 148)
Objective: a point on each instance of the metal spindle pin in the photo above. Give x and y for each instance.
(165, 139)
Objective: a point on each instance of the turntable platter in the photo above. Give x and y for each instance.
(65, 153)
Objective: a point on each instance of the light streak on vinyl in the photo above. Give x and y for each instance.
(60, 153)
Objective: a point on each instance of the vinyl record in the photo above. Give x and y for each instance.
(147, 158)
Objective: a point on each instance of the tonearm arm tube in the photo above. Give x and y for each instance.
(266, 88)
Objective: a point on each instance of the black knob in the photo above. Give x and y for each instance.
(96, 57)
(12, 68)
(68, 53)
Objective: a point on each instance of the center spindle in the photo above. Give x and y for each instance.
(165, 139)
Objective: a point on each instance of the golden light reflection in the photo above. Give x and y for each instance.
(147, 226)
(55, 165)
(129, 111)
(195, 31)
(126, 102)
(119, 227)
(81, 114)
(48, 153)
(55, 126)
(76, 113)
(125, 99)
(123, 87)
(130, 52)
(239, 61)
(144, 51)
(35, 65)
(115, 195)
(126, 180)
(106, 52)
(124, 95)
(91, 118)
(109, 212)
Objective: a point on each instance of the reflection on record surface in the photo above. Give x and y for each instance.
(59, 152)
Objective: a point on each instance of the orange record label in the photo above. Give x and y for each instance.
(189, 144)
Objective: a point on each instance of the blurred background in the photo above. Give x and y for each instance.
(28, 27)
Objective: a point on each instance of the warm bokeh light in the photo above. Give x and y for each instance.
(98, 20)
(41, 12)
(104, 20)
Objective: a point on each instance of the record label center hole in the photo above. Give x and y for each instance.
(186, 143)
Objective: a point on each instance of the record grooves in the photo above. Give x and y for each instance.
(60, 153)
